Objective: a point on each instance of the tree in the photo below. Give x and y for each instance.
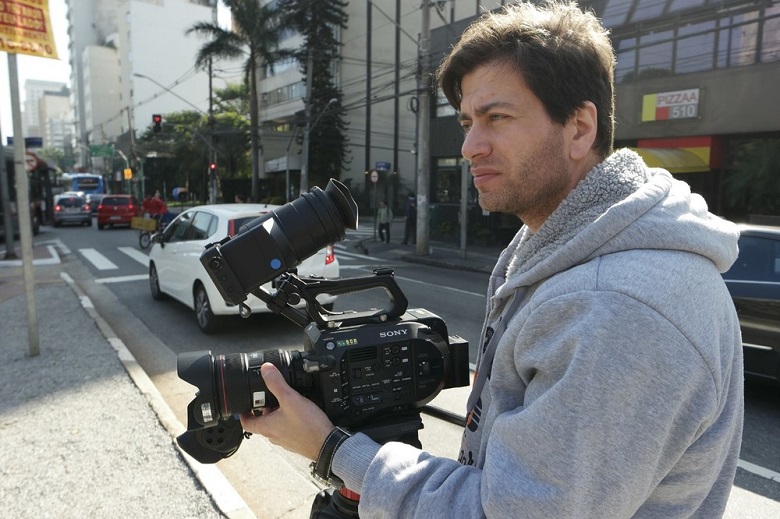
(754, 185)
(317, 21)
(255, 38)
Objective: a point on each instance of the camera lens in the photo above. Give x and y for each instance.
(279, 241)
(231, 384)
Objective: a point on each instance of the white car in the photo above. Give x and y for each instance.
(175, 269)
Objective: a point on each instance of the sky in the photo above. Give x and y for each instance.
(31, 67)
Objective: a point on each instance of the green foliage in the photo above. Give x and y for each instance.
(317, 21)
(754, 184)
(255, 38)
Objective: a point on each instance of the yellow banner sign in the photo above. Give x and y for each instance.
(25, 28)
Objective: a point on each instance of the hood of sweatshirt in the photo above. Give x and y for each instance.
(621, 204)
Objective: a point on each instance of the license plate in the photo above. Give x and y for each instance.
(115, 218)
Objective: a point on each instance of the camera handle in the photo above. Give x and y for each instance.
(292, 289)
(343, 503)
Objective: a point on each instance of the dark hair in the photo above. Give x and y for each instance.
(564, 55)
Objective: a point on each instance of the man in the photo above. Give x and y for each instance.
(410, 224)
(384, 217)
(609, 381)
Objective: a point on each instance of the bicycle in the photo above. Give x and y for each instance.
(146, 227)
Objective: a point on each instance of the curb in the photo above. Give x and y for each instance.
(222, 493)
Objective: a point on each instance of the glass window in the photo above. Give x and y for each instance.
(648, 9)
(616, 12)
(177, 229)
(695, 52)
(200, 226)
(626, 60)
(679, 5)
(737, 40)
(770, 40)
(758, 260)
(655, 59)
(443, 107)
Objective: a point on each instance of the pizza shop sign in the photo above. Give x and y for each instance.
(663, 106)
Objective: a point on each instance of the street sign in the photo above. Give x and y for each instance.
(26, 28)
(101, 150)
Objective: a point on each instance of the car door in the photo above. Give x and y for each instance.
(185, 244)
(169, 270)
(754, 284)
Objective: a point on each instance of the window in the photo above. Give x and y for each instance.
(695, 46)
(647, 10)
(655, 58)
(177, 230)
(201, 225)
(616, 12)
(770, 39)
(758, 260)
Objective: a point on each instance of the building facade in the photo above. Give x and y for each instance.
(695, 81)
(131, 59)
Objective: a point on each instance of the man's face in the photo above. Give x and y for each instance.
(518, 154)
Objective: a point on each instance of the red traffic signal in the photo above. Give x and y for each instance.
(157, 122)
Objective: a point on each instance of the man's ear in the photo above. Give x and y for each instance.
(584, 127)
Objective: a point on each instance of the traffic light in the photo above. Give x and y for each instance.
(213, 170)
(157, 121)
(128, 174)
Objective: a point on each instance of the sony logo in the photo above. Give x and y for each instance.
(393, 333)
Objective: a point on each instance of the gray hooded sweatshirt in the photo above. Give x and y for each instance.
(609, 383)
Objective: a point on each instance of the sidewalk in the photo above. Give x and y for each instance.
(85, 432)
(84, 439)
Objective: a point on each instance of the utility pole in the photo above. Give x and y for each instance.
(211, 153)
(304, 187)
(423, 133)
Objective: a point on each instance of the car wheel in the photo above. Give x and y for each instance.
(144, 239)
(207, 321)
(154, 283)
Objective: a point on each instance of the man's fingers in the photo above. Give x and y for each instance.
(275, 382)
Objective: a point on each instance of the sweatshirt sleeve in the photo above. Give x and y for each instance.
(594, 399)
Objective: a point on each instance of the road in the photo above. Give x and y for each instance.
(111, 269)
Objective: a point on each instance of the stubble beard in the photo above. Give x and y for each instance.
(534, 188)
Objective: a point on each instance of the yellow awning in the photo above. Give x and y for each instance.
(677, 160)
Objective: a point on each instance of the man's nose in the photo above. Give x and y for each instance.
(475, 144)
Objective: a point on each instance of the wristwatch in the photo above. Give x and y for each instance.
(321, 467)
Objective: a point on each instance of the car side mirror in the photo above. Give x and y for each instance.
(158, 238)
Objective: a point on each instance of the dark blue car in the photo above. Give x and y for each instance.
(754, 284)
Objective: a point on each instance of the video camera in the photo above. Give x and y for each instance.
(369, 371)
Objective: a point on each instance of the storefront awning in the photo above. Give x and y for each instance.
(676, 160)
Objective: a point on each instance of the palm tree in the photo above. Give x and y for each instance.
(256, 35)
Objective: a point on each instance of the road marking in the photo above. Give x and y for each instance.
(759, 470)
(122, 279)
(98, 260)
(353, 255)
(136, 254)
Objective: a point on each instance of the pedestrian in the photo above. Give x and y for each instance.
(384, 217)
(609, 379)
(410, 219)
(238, 199)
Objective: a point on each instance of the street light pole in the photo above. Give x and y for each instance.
(306, 136)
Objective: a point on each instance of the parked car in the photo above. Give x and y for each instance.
(72, 209)
(175, 269)
(754, 284)
(117, 210)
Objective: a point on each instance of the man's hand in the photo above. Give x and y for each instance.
(297, 425)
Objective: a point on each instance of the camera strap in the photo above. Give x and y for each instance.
(486, 360)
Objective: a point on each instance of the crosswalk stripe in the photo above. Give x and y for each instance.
(98, 260)
(122, 279)
(136, 254)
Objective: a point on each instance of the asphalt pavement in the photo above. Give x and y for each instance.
(86, 434)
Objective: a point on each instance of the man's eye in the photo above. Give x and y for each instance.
(497, 117)
(465, 127)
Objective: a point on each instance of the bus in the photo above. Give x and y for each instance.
(87, 183)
